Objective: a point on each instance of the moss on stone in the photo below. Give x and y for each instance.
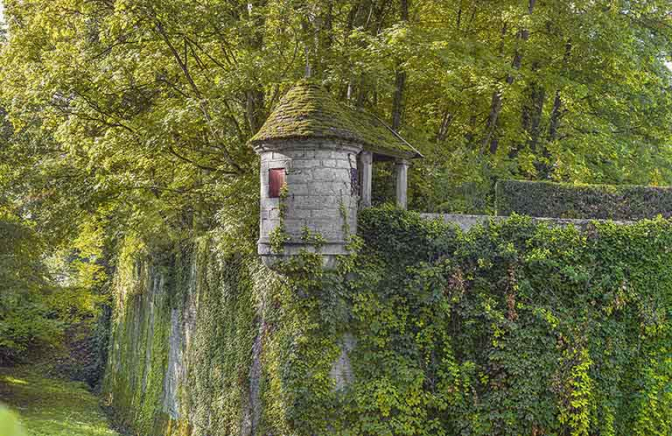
(225, 303)
(134, 383)
(309, 112)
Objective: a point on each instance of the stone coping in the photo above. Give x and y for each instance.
(466, 222)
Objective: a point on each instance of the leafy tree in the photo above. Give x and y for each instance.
(141, 110)
(135, 114)
(43, 292)
(25, 316)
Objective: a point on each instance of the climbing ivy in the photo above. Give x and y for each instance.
(279, 236)
(224, 303)
(512, 328)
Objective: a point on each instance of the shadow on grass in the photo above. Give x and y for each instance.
(49, 407)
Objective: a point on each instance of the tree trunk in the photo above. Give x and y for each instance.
(397, 104)
(531, 114)
(497, 102)
(470, 136)
(255, 109)
(556, 114)
(554, 121)
(491, 125)
(306, 30)
(328, 33)
(400, 78)
(255, 97)
(459, 16)
(317, 30)
(446, 119)
(348, 92)
(538, 99)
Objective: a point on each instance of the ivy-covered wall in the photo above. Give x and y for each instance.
(513, 328)
(208, 343)
(169, 356)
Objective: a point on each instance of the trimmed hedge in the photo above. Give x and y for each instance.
(562, 200)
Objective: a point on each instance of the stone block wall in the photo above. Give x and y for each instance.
(320, 195)
(466, 222)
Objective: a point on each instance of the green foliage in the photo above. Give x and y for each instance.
(230, 305)
(133, 117)
(222, 349)
(42, 293)
(558, 200)
(310, 338)
(141, 111)
(160, 292)
(278, 237)
(513, 328)
(142, 337)
(408, 238)
(27, 307)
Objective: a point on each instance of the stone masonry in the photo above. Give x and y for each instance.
(320, 142)
(320, 196)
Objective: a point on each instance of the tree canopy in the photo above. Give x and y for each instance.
(141, 110)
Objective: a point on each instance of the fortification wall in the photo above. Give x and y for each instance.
(207, 343)
(466, 222)
(512, 328)
(185, 356)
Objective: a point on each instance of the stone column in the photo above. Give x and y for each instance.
(402, 183)
(367, 175)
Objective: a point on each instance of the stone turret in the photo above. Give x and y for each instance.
(316, 156)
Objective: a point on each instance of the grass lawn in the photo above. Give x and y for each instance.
(49, 407)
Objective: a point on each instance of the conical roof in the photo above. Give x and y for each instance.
(307, 111)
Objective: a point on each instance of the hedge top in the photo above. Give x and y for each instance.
(307, 111)
(563, 200)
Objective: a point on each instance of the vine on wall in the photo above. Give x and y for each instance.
(513, 328)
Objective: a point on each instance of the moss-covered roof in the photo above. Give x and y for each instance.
(307, 111)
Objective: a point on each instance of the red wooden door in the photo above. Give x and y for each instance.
(276, 180)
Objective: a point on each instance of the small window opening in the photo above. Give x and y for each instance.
(276, 180)
(354, 181)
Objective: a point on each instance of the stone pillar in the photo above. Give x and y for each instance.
(402, 183)
(367, 175)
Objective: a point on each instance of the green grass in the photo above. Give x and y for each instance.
(49, 407)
